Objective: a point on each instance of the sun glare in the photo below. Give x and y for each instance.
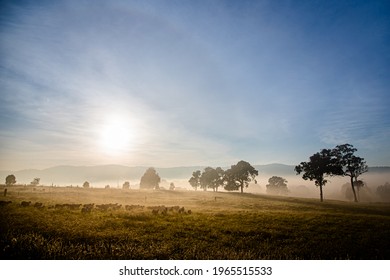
(116, 136)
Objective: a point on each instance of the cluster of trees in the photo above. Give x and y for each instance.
(237, 177)
(339, 161)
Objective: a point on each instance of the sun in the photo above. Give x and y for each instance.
(116, 136)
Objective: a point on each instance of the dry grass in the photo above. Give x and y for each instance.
(220, 226)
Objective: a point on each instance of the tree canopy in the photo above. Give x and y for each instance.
(350, 165)
(126, 185)
(150, 179)
(320, 165)
(277, 185)
(239, 176)
(211, 178)
(35, 182)
(383, 191)
(10, 180)
(195, 179)
(339, 161)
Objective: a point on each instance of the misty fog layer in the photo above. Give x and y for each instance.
(114, 176)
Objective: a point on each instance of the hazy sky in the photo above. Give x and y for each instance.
(171, 83)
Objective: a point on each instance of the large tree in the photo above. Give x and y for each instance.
(150, 180)
(320, 165)
(195, 179)
(351, 165)
(211, 178)
(277, 185)
(239, 176)
(10, 180)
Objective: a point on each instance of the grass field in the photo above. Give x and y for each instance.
(218, 226)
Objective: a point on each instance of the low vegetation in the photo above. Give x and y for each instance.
(147, 224)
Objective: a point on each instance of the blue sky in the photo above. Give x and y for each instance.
(172, 83)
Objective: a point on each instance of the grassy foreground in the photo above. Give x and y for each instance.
(219, 226)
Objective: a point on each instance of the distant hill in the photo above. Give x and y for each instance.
(118, 173)
(379, 169)
(276, 169)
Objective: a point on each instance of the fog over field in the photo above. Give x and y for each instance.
(115, 175)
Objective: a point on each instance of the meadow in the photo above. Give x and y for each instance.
(140, 224)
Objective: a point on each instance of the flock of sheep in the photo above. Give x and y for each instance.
(87, 208)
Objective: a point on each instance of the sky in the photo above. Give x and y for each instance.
(183, 83)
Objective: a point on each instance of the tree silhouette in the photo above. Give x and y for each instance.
(126, 185)
(239, 176)
(195, 179)
(351, 165)
(219, 182)
(35, 182)
(10, 180)
(383, 191)
(319, 166)
(150, 180)
(211, 178)
(277, 185)
(86, 184)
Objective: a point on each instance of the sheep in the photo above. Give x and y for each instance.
(38, 205)
(3, 203)
(87, 208)
(74, 206)
(25, 203)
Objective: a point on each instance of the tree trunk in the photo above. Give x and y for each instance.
(353, 190)
(357, 190)
(321, 195)
(242, 187)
